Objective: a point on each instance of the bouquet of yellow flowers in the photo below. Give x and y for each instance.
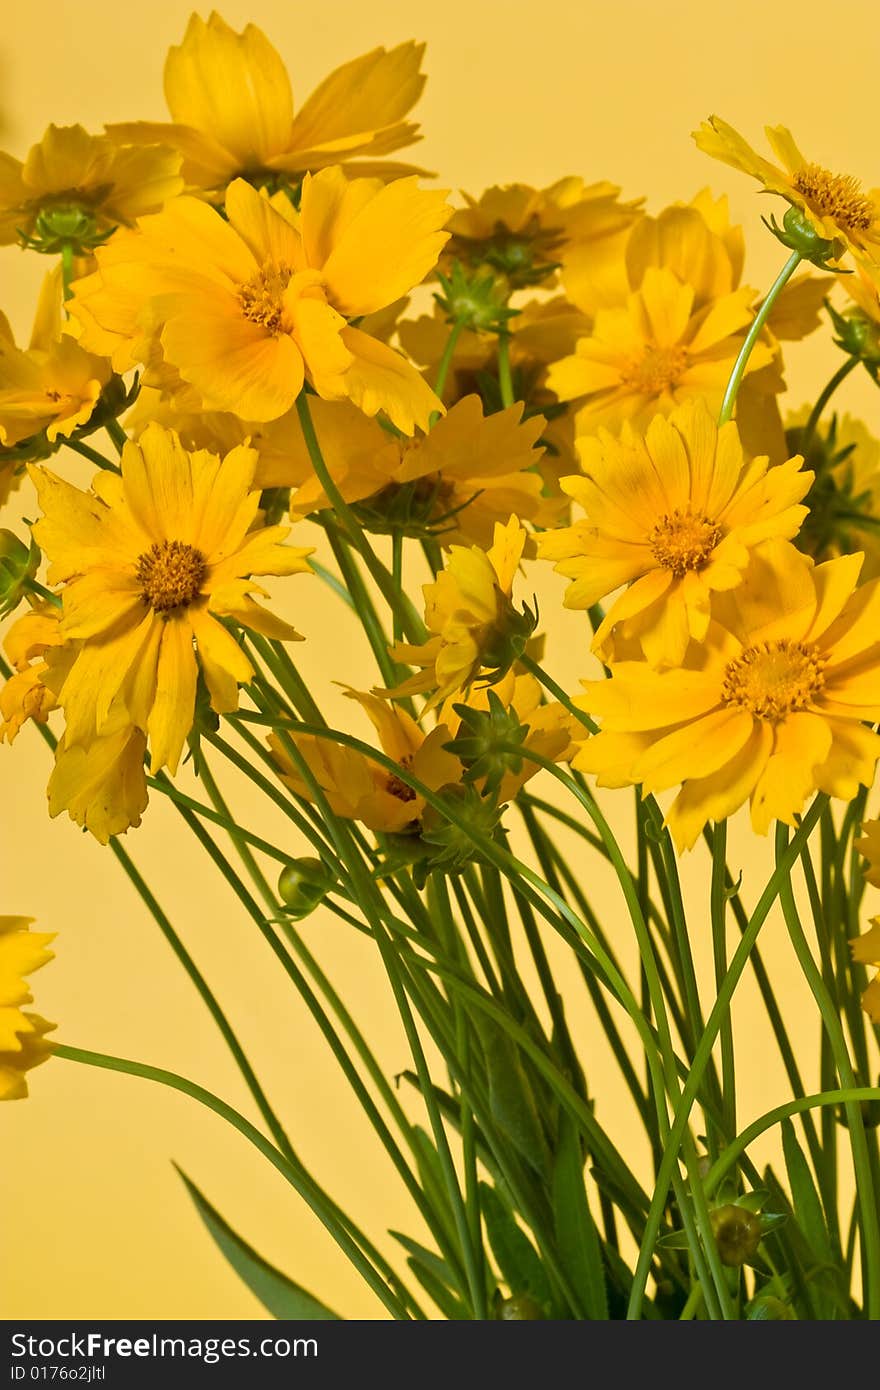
(266, 349)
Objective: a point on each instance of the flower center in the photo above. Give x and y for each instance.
(171, 574)
(773, 679)
(396, 786)
(838, 196)
(262, 298)
(656, 370)
(681, 541)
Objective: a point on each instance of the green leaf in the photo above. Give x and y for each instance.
(279, 1295)
(807, 1204)
(580, 1249)
(451, 1307)
(511, 1099)
(517, 1258)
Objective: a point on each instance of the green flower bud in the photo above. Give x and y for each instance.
(520, 1308)
(303, 884)
(508, 639)
(65, 224)
(857, 335)
(737, 1234)
(473, 301)
(798, 234)
(487, 741)
(18, 564)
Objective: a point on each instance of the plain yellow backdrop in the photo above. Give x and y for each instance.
(94, 1219)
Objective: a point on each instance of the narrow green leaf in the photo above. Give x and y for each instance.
(511, 1099)
(580, 1249)
(517, 1258)
(807, 1204)
(451, 1307)
(279, 1295)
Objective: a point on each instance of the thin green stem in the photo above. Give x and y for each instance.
(824, 397)
(718, 913)
(80, 447)
(446, 361)
(505, 376)
(755, 329)
(292, 1172)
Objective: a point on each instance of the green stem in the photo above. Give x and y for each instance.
(718, 912)
(752, 336)
(291, 1172)
(87, 452)
(868, 1200)
(116, 433)
(66, 269)
(825, 395)
(704, 1052)
(397, 601)
(446, 362)
(505, 376)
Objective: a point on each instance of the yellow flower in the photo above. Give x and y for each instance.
(232, 109)
(150, 560)
(469, 472)
(869, 847)
(27, 643)
(657, 351)
(673, 514)
(83, 181)
(834, 204)
(101, 782)
(866, 950)
(244, 309)
(53, 385)
(769, 709)
(523, 232)
(22, 1034)
(469, 610)
(356, 787)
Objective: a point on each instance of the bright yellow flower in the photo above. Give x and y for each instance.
(524, 233)
(245, 309)
(53, 385)
(869, 847)
(866, 950)
(101, 783)
(358, 788)
(834, 204)
(25, 695)
(769, 709)
(674, 515)
(477, 631)
(232, 109)
(22, 1034)
(150, 560)
(469, 472)
(72, 171)
(657, 351)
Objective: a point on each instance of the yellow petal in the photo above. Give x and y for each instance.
(381, 379)
(171, 717)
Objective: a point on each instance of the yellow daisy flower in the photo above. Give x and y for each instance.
(85, 181)
(101, 782)
(53, 385)
(245, 308)
(232, 109)
(150, 560)
(866, 950)
(358, 788)
(771, 708)
(27, 643)
(835, 205)
(477, 631)
(674, 515)
(647, 357)
(469, 472)
(22, 1034)
(523, 233)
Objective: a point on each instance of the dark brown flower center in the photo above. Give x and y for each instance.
(682, 541)
(837, 196)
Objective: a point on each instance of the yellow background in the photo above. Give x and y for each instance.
(94, 1220)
